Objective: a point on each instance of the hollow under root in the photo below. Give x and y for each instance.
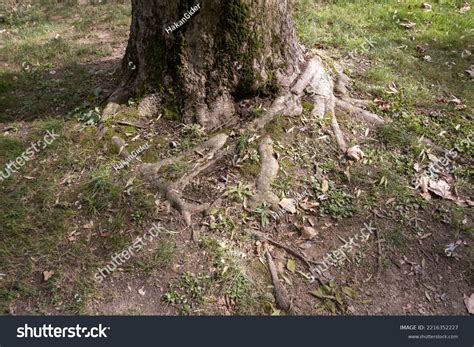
(268, 173)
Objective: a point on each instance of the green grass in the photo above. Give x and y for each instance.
(47, 50)
(371, 32)
(47, 54)
(53, 61)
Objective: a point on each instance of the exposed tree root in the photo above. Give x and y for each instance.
(213, 155)
(114, 102)
(306, 77)
(289, 250)
(174, 198)
(359, 113)
(171, 191)
(286, 104)
(338, 134)
(313, 79)
(120, 145)
(281, 295)
(211, 146)
(268, 173)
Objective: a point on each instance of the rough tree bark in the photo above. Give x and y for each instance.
(225, 51)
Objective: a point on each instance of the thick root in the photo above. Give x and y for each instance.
(281, 295)
(307, 76)
(268, 173)
(170, 190)
(210, 146)
(114, 102)
(338, 134)
(213, 155)
(361, 114)
(174, 198)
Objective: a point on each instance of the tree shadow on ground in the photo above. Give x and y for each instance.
(53, 93)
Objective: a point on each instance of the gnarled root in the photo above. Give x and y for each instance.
(268, 173)
(212, 147)
(171, 191)
(174, 198)
(338, 134)
(359, 113)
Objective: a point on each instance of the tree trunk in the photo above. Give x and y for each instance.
(197, 59)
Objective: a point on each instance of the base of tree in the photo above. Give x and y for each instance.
(327, 94)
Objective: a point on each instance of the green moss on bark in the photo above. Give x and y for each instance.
(239, 44)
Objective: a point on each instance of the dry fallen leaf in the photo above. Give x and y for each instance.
(47, 275)
(455, 100)
(469, 302)
(470, 71)
(288, 205)
(309, 233)
(291, 265)
(444, 190)
(308, 206)
(466, 8)
(355, 153)
(441, 188)
(427, 7)
(324, 186)
(408, 24)
(392, 88)
(466, 53)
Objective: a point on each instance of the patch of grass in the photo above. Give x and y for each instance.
(276, 128)
(257, 112)
(243, 142)
(263, 213)
(240, 191)
(10, 149)
(250, 168)
(392, 135)
(47, 70)
(100, 192)
(221, 222)
(338, 205)
(395, 237)
(231, 279)
(189, 292)
(165, 254)
(174, 170)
